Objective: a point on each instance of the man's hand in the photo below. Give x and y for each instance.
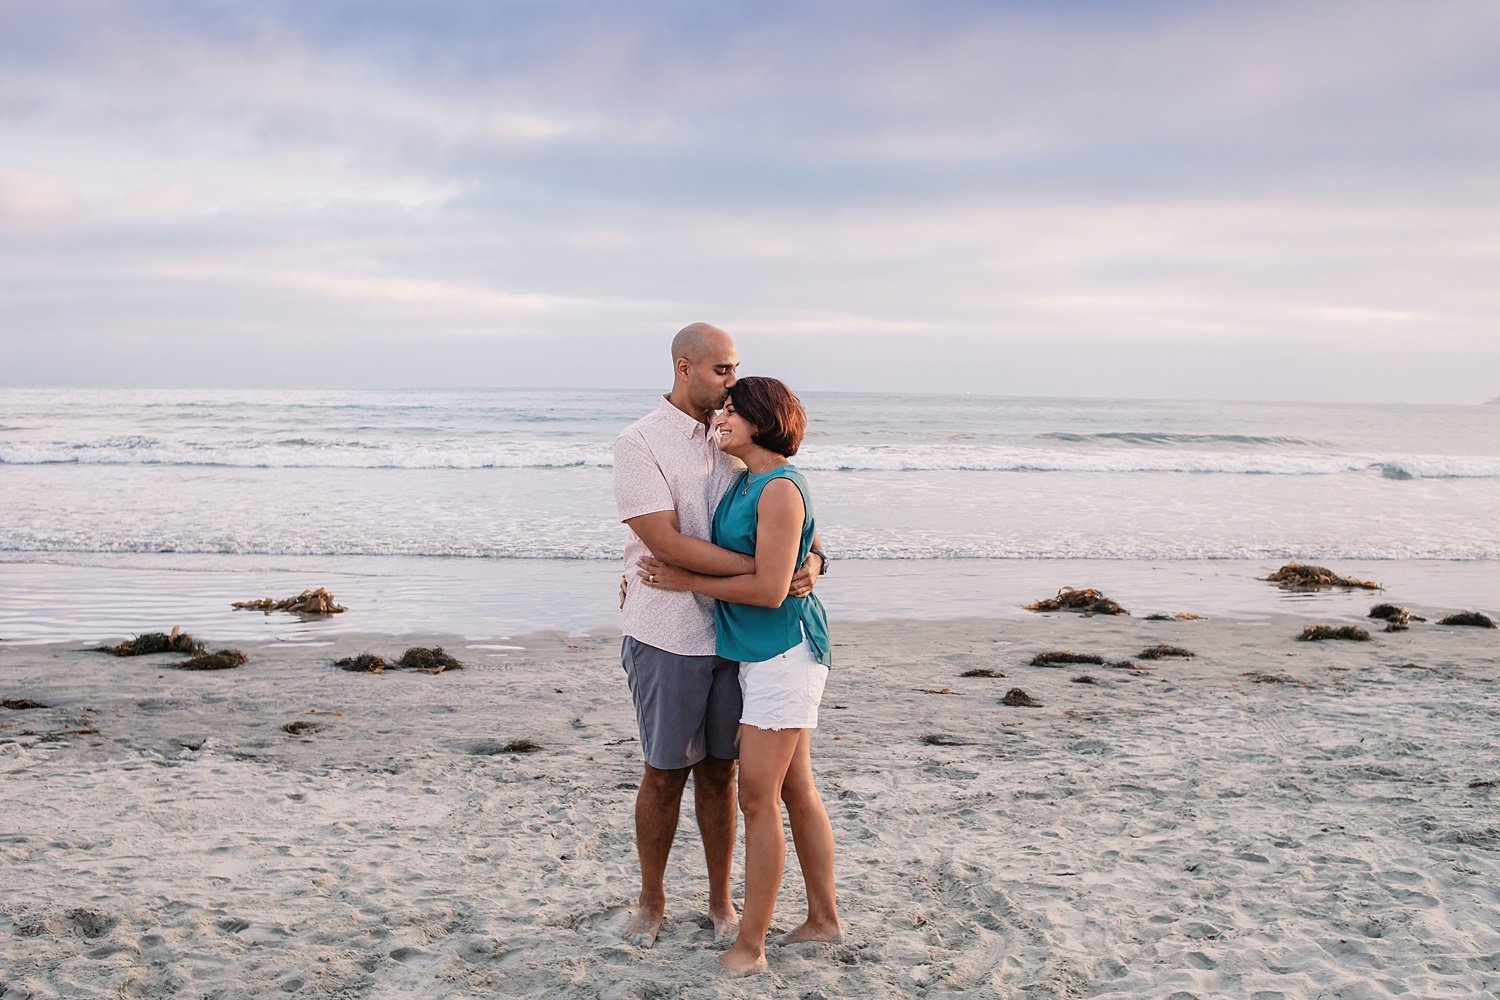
(804, 578)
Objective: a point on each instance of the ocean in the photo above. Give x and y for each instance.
(484, 512)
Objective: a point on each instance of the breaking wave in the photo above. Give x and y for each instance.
(345, 453)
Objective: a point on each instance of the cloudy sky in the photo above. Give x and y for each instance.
(1252, 200)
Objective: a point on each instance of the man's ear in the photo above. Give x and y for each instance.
(684, 366)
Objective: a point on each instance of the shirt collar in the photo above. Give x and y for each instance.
(688, 426)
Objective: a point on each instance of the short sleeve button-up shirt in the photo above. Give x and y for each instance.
(667, 460)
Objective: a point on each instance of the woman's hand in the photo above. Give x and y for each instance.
(655, 573)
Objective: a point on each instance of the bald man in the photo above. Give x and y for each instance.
(669, 476)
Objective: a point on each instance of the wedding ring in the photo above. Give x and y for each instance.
(652, 578)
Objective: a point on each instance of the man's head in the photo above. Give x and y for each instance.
(704, 360)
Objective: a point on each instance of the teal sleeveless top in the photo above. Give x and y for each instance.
(748, 633)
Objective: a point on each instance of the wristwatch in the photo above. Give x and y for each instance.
(823, 556)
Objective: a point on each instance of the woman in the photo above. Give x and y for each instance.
(782, 645)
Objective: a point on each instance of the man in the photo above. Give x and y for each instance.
(669, 476)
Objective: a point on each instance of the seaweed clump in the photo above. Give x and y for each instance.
(1391, 613)
(20, 704)
(1396, 619)
(1181, 616)
(1296, 576)
(1017, 697)
(154, 642)
(1064, 656)
(1127, 665)
(1161, 651)
(489, 748)
(943, 740)
(219, 659)
(1318, 633)
(310, 602)
(1087, 601)
(364, 663)
(981, 672)
(303, 728)
(428, 661)
(1283, 677)
(1475, 618)
(418, 658)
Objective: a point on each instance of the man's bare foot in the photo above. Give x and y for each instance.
(811, 933)
(736, 963)
(644, 926)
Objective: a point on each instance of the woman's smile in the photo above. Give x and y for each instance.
(727, 430)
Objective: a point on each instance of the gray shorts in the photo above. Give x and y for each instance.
(687, 707)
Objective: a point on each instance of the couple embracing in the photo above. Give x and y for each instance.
(725, 647)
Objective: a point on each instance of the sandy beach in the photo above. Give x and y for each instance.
(1270, 818)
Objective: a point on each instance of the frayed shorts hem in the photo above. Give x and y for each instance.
(783, 692)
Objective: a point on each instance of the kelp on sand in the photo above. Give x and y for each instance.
(1475, 619)
(418, 658)
(177, 641)
(310, 602)
(219, 659)
(1297, 576)
(364, 663)
(1018, 698)
(1161, 651)
(1087, 601)
(1064, 656)
(1320, 633)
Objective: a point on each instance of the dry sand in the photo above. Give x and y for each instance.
(1184, 832)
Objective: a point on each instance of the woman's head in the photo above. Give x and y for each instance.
(771, 408)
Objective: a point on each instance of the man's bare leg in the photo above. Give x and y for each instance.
(714, 802)
(657, 805)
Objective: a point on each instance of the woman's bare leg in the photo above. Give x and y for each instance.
(813, 835)
(765, 755)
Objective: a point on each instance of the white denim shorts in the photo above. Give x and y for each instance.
(784, 691)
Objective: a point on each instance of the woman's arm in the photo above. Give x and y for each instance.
(660, 533)
(778, 530)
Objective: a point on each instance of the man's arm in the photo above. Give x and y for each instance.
(646, 504)
(779, 514)
(659, 531)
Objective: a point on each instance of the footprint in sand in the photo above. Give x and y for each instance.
(91, 924)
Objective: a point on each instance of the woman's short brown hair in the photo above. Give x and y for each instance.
(777, 414)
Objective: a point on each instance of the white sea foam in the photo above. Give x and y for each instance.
(851, 546)
(851, 458)
(312, 454)
(919, 457)
(496, 474)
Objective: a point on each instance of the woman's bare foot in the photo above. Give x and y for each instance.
(737, 961)
(812, 933)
